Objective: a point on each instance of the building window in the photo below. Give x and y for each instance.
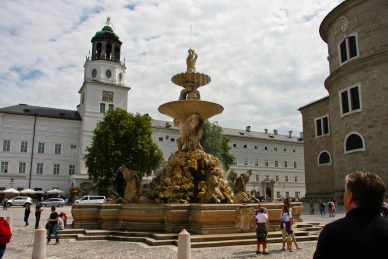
(275, 149)
(297, 194)
(285, 163)
(287, 194)
(4, 167)
(172, 139)
(160, 138)
(6, 145)
(294, 150)
(354, 142)
(39, 168)
(286, 178)
(267, 178)
(257, 176)
(245, 146)
(111, 106)
(23, 146)
(277, 195)
(322, 126)
(277, 178)
(256, 147)
(234, 145)
(73, 149)
(350, 100)
(266, 162)
(295, 165)
(56, 168)
(102, 107)
(71, 169)
(296, 179)
(256, 162)
(348, 49)
(276, 163)
(285, 150)
(22, 168)
(57, 149)
(265, 148)
(235, 161)
(245, 161)
(41, 148)
(324, 158)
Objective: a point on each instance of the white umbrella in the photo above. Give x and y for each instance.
(40, 192)
(27, 191)
(11, 190)
(54, 191)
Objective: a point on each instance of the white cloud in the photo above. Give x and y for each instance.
(266, 58)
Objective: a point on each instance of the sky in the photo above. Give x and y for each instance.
(265, 58)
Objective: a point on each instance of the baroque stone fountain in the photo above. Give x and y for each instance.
(190, 190)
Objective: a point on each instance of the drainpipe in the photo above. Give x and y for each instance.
(32, 152)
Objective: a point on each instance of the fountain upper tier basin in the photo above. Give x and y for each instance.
(189, 77)
(183, 108)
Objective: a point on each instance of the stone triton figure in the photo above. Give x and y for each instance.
(190, 61)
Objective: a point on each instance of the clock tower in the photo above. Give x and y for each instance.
(103, 87)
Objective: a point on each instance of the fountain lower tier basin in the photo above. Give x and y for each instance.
(173, 218)
(183, 108)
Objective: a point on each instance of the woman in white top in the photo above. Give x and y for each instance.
(286, 228)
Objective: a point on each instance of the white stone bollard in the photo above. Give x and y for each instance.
(9, 220)
(184, 245)
(39, 250)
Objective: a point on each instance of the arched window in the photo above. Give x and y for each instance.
(108, 51)
(354, 142)
(98, 51)
(324, 158)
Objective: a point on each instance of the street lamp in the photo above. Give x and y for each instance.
(11, 181)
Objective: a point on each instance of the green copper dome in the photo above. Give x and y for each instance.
(107, 32)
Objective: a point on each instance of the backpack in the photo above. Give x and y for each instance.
(329, 205)
(5, 231)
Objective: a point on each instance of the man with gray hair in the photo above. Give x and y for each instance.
(362, 233)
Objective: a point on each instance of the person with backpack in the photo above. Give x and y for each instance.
(5, 235)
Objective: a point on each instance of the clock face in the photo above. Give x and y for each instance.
(94, 73)
(107, 96)
(108, 73)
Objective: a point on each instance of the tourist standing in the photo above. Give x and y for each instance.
(312, 206)
(262, 226)
(333, 207)
(385, 208)
(286, 228)
(362, 233)
(4, 202)
(288, 203)
(321, 206)
(53, 226)
(38, 211)
(27, 212)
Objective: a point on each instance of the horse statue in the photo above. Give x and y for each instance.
(132, 192)
(240, 189)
